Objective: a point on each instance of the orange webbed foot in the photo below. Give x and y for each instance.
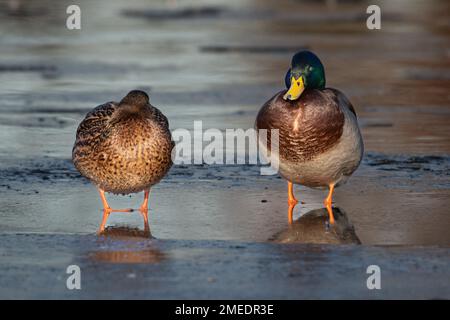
(107, 211)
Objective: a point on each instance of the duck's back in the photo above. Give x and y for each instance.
(123, 150)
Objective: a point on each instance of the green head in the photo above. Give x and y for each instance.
(306, 72)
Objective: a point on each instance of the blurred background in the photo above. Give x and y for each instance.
(219, 61)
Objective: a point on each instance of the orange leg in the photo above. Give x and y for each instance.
(106, 214)
(107, 210)
(144, 210)
(292, 202)
(328, 204)
(291, 214)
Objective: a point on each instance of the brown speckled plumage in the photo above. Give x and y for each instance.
(124, 147)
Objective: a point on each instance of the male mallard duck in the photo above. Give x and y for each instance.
(320, 144)
(124, 148)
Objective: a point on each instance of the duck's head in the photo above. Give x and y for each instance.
(135, 98)
(306, 72)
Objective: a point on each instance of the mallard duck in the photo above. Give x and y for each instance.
(124, 148)
(320, 144)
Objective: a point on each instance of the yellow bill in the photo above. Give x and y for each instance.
(296, 89)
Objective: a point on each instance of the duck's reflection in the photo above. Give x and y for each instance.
(124, 232)
(313, 227)
(128, 245)
(147, 256)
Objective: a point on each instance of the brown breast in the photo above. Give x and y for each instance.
(307, 127)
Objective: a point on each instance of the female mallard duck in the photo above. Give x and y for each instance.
(320, 144)
(124, 148)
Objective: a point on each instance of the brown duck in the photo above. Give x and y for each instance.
(320, 144)
(124, 148)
